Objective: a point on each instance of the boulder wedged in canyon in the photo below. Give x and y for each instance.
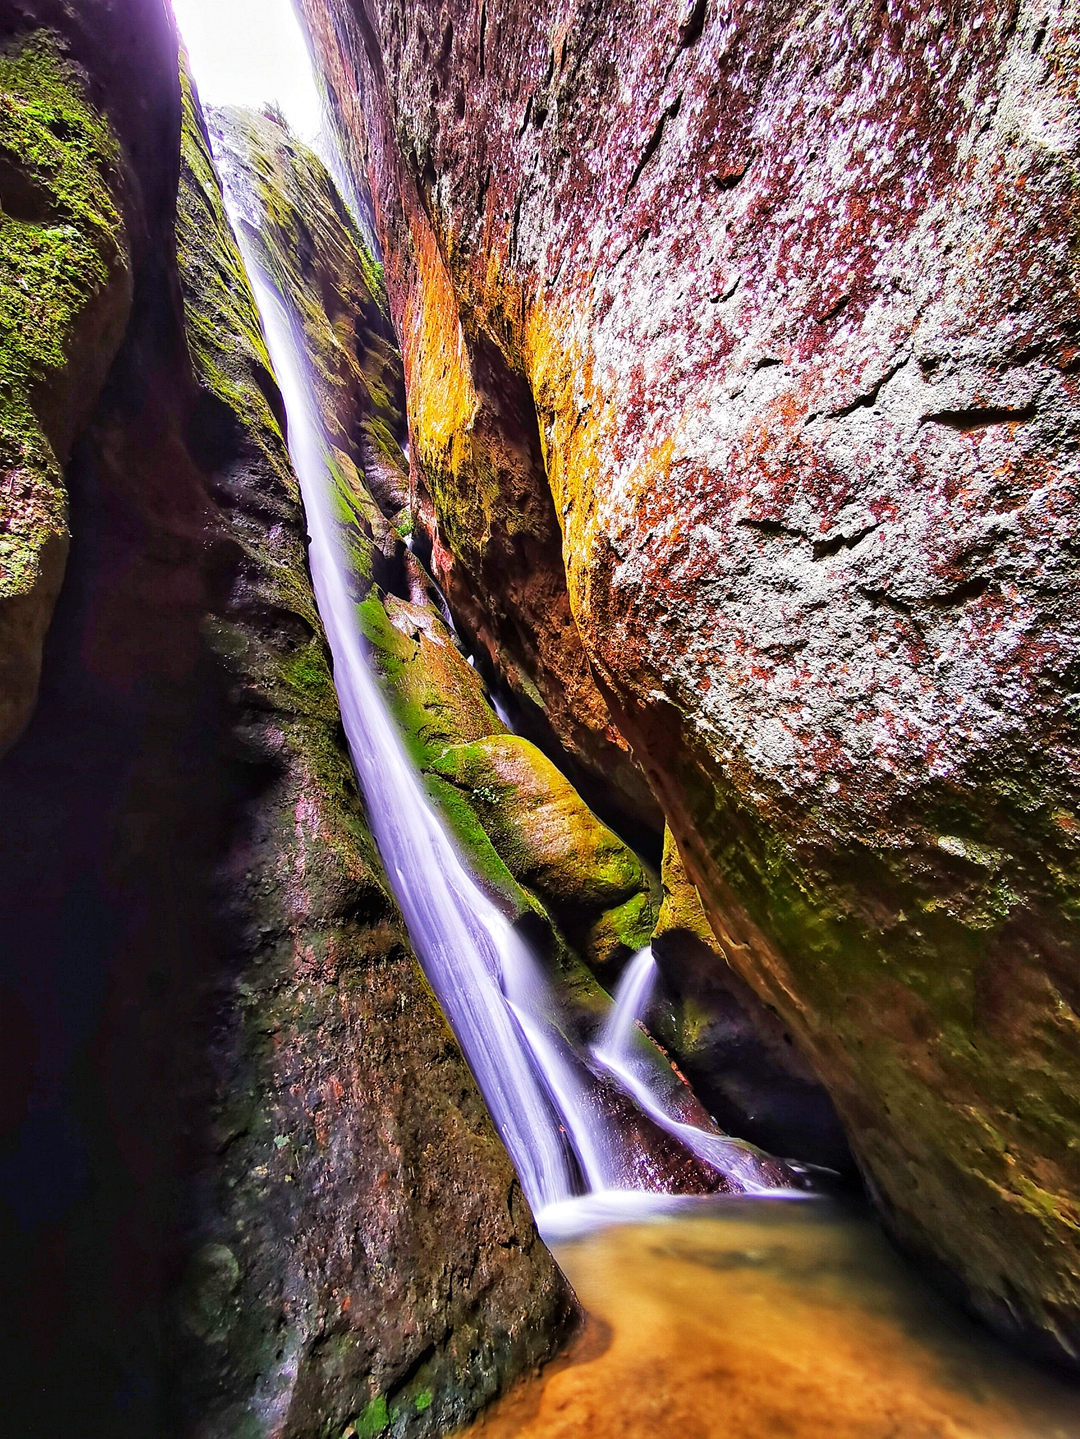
(249, 1185)
(741, 348)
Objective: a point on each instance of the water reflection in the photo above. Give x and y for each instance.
(747, 1319)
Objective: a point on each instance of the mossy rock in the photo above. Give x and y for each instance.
(481, 856)
(619, 933)
(543, 856)
(437, 696)
(65, 296)
(681, 907)
(306, 240)
(547, 836)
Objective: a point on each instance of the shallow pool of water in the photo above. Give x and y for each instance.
(746, 1319)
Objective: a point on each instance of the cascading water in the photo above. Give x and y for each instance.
(541, 1094)
(474, 960)
(631, 1063)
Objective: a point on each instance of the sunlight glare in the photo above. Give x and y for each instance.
(251, 52)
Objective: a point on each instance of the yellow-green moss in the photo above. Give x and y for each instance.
(522, 827)
(222, 320)
(681, 907)
(435, 694)
(61, 237)
(540, 825)
(620, 932)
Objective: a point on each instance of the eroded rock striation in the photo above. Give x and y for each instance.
(741, 345)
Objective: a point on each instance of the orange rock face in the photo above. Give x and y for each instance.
(742, 357)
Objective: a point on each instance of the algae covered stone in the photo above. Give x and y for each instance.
(594, 885)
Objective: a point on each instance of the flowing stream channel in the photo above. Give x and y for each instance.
(574, 1163)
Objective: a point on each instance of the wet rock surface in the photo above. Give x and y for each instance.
(389, 1262)
(742, 355)
(736, 1052)
(248, 1183)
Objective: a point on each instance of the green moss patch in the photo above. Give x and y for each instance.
(546, 834)
(61, 245)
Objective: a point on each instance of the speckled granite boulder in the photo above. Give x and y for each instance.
(742, 357)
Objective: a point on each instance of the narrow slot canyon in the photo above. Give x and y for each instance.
(538, 720)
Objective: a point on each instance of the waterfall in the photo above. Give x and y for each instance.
(541, 1094)
(631, 1003)
(633, 1066)
(478, 966)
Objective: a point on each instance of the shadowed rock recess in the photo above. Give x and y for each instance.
(248, 1184)
(742, 357)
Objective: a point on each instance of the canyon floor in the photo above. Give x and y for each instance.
(766, 1318)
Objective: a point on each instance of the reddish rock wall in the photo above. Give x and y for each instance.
(790, 294)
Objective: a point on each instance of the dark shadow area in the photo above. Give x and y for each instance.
(741, 1060)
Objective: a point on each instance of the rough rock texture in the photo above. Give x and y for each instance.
(579, 892)
(247, 1185)
(773, 309)
(65, 292)
(310, 248)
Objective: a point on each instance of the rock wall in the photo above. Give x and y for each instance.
(737, 1053)
(248, 1184)
(742, 357)
(65, 283)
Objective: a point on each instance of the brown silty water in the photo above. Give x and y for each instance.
(736, 1319)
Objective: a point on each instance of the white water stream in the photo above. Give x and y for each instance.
(631, 1064)
(540, 1093)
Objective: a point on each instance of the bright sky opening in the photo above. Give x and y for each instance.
(251, 52)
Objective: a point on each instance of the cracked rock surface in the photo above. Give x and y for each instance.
(742, 352)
